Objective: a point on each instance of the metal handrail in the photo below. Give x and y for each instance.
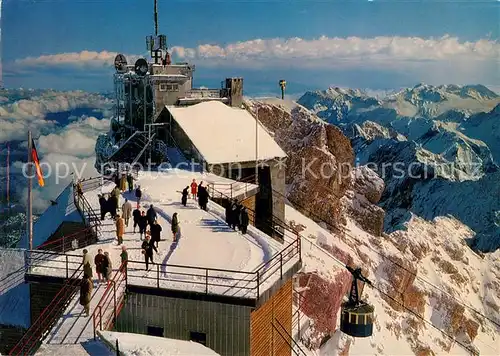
(51, 313)
(110, 290)
(291, 338)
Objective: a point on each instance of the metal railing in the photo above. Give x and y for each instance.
(90, 217)
(214, 280)
(49, 316)
(51, 263)
(235, 188)
(70, 242)
(111, 303)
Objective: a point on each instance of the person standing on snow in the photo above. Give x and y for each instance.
(123, 182)
(184, 196)
(175, 226)
(87, 267)
(198, 192)
(130, 181)
(136, 216)
(243, 220)
(143, 224)
(124, 259)
(98, 261)
(103, 206)
(86, 288)
(107, 267)
(138, 195)
(151, 215)
(120, 229)
(234, 215)
(194, 189)
(112, 204)
(156, 233)
(127, 211)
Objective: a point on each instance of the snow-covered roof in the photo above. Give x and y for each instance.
(54, 215)
(224, 134)
(144, 345)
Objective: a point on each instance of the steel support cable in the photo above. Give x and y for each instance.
(385, 257)
(474, 352)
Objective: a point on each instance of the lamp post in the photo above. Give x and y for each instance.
(283, 87)
(257, 147)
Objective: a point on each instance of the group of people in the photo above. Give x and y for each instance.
(237, 215)
(103, 268)
(198, 191)
(108, 203)
(124, 181)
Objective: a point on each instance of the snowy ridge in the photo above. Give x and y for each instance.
(396, 330)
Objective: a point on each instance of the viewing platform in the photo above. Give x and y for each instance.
(209, 262)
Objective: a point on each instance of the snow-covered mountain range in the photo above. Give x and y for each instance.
(436, 147)
(432, 293)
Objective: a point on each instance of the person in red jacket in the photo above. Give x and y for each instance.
(194, 189)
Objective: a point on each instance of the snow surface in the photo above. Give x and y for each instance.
(206, 242)
(45, 225)
(223, 134)
(14, 293)
(143, 345)
(390, 328)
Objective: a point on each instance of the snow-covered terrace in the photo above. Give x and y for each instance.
(209, 257)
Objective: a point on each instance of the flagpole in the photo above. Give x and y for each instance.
(29, 214)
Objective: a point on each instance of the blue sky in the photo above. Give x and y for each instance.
(378, 44)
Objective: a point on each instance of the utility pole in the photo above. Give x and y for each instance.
(257, 147)
(29, 212)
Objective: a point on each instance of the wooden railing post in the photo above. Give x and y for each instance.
(114, 301)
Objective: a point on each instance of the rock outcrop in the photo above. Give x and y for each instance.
(320, 158)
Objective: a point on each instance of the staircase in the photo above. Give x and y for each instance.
(132, 149)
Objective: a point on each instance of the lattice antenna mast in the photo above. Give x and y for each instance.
(156, 17)
(156, 44)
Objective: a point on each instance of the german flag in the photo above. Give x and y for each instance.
(36, 162)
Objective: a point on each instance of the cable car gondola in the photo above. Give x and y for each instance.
(356, 317)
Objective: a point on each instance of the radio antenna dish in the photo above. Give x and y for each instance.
(141, 67)
(120, 63)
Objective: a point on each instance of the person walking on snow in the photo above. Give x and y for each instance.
(124, 259)
(194, 189)
(229, 204)
(138, 195)
(98, 261)
(243, 220)
(120, 229)
(184, 196)
(151, 214)
(202, 197)
(116, 193)
(143, 223)
(112, 204)
(136, 216)
(156, 232)
(86, 288)
(175, 226)
(147, 250)
(87, 266)
(126, 211)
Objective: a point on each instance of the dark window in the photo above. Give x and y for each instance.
(198, 337)
(155, 331)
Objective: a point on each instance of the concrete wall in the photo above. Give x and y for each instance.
(278, 186)
(227, 327)
(170, 97)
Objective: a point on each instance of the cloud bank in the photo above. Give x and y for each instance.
(324, 52)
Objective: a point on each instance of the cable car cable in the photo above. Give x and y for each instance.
(401, 304)
(397, 264)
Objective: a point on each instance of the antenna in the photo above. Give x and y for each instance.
(156, 17)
